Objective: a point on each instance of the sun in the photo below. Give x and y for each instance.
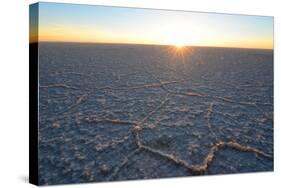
(179, 46)
(180, 51)
(178, 43)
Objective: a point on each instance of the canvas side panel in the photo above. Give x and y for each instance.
(33, 93)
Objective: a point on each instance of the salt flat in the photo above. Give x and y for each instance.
(120, 112)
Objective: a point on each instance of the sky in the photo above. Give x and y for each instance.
(103, 24)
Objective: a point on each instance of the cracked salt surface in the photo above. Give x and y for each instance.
(120, 112)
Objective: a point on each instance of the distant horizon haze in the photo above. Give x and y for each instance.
(168, 45)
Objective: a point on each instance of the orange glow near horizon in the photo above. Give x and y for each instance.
(180, 39)
(99, 37)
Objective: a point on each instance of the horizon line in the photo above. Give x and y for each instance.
(148, 44)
